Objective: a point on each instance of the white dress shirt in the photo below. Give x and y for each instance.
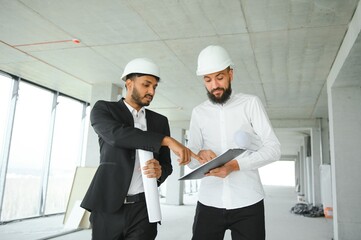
(213, 127)
(136, 184)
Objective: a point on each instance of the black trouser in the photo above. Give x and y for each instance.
(245, 223)
(129, 223)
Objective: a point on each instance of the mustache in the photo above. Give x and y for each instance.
(216, 89)
(148, 95)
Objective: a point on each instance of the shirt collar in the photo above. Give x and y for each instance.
(133, 111)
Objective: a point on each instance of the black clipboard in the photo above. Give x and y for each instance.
(199, 172)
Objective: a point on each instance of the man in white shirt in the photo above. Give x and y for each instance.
(230, 196)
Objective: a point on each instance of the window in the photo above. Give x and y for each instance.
(41, 140)
(27, 153)
(6, 88)
(65, 154)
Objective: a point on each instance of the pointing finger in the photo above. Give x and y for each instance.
(195, 156)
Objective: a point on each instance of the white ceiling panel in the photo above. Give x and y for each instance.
(232, 20)
(292, 94)
(12, 55)
(274, 15)
(297, 55)
(45, 75)
(95, 22)
(22, 25)
(83, 63)
(173, 19)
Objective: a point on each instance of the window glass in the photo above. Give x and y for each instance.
(27, 153)
(66, 153)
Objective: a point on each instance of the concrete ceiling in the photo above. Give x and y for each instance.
(283, 50)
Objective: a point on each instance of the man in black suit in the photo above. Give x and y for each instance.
(115, 196)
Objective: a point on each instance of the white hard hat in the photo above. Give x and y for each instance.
(141, 65)
(213, 59)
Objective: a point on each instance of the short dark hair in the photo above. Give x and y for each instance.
(131, 76)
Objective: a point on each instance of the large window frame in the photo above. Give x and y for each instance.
(7, 141)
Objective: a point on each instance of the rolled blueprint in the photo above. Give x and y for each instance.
(248, 141)
(150, 189)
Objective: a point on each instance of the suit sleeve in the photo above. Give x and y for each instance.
(165, 158)
(119, 133)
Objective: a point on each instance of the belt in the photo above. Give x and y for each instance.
(140, 197)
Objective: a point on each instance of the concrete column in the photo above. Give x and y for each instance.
(174, 186)
(345, 132)
(307, 170)
(325, 141)
(297, 174)
(302, 171)
(344, 98)
(309, 183)
(102, 91)
(316, 163)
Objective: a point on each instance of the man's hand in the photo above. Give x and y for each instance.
(180, 150)
(224, 170)
(206, 155)
(152, 169)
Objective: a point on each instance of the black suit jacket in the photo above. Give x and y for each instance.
(118, 141)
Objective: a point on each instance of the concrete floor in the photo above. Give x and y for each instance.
(281, 224)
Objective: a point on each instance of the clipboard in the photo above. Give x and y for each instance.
(199, 172)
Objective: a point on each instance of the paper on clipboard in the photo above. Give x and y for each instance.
(199, 172)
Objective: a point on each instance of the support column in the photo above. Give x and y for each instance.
(303, 182)
(298, 174)
(316, 163)
(325, 141)
(345, 132)
(174, 186)
(344, 98)
(102, 91)
(309, 184)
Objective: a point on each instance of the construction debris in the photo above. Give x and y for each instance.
(308, 210)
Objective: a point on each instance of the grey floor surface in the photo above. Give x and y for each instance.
(281, 224)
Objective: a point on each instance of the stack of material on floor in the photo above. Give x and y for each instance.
(308, 210)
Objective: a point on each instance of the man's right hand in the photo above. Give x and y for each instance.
(184, 153)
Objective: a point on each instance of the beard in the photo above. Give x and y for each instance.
(138, 99)
(222, 99)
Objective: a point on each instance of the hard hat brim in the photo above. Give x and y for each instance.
(202, 72)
